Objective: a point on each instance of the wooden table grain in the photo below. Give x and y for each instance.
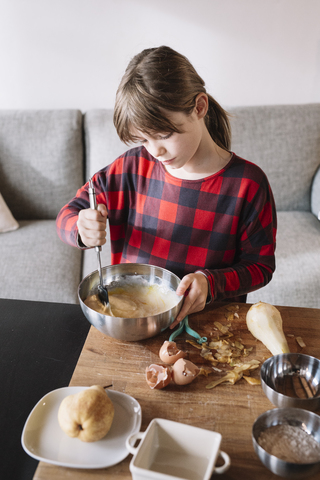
(227, 409)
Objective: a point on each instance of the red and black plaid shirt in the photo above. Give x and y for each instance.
(223, 225)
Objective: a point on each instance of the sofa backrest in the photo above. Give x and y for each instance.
(41, 160)
(102, 144)
(284, 140)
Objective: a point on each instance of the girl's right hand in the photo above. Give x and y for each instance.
(92, 225)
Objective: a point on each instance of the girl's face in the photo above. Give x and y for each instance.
(177, 150)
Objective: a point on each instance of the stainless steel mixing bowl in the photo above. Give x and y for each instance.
(292, 380)
(130, 329)
(307, 421)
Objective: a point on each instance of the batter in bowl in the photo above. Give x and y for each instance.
(135, 301)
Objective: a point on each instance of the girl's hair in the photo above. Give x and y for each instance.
(160, 79)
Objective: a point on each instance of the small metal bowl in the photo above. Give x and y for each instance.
(307, 421)
(130, 329)
(292, 380)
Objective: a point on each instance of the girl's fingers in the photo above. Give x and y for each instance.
(184, 285)
(194, 287)
(92, 226)
(102, 209)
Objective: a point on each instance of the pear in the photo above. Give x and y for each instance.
(87, 415)
(265, 323)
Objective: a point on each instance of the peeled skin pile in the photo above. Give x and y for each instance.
(265, 323)
(87, 415)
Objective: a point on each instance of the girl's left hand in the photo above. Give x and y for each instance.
(195, 288)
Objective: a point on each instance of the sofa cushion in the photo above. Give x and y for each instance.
(297, 257)
(284, 140)
(36, 265)
(41, 160)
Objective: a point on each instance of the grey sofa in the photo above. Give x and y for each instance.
(45, 156)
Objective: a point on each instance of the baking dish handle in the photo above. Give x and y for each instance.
(131, 440)
(226, 464)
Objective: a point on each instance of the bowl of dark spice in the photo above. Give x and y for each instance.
(287, 441)
(292, 380)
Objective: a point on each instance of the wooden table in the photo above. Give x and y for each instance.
(228, 409)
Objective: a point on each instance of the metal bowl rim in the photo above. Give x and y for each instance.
(137, 264)
(282, 395)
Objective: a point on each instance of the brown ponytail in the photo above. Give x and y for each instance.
(160, 79)
(218, 125)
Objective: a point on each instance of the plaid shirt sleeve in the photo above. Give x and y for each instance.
(223, 225)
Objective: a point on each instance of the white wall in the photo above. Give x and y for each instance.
(72, 53)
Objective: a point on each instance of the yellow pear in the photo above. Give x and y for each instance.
(265, 323)
(87, 415)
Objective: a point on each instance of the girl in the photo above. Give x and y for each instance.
(181, 200)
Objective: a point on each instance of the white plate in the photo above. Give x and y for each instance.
(43, 439)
